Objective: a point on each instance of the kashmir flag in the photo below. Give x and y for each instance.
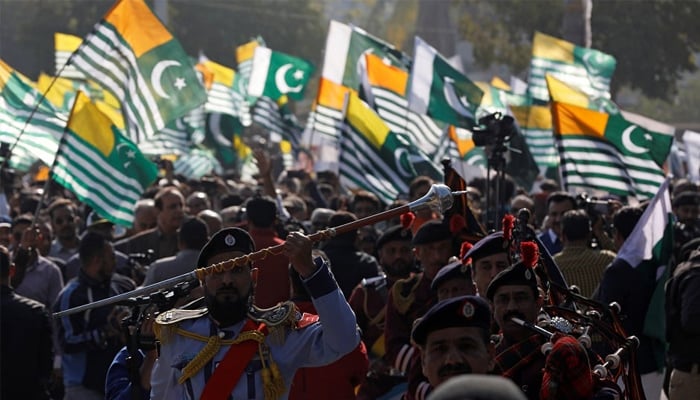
(276, 117)
(387, 94)
(178, 137)
(607, 152)
(276, 74)
(100, 165)
(65, 45)
(648, 249)
(439, 90)
(564, 93)
(244, 65)
(589, 70)
(374, 158)
(131, 54)
(196, 164)
(226, 95)
(36, 138)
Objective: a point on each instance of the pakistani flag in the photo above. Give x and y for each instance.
(374, 158)
(589, 70)
(100, 165)
(344, 54)
(440, 91)
(276, 74)
(131, 54)
(36, 138)
(607, 152)
(648, 248)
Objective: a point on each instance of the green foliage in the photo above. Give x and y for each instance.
(501, 31)
(653, 41)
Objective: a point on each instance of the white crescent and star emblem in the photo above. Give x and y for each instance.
(281, 81)
(458, 103)
(627, 141)
(157, 73)
(130, 154)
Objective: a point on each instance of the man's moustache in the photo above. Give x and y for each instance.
(454, 369)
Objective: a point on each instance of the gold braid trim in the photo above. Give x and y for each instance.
(402, 302)
(378, 319)
(212, 347)
(273, 382)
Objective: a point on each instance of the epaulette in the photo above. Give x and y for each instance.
(166, 323)
(280, 317)
(403, 292)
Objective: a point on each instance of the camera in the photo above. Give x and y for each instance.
(593, 206)
(494, 129)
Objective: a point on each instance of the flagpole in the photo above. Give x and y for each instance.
(53, 164)
(36, 107)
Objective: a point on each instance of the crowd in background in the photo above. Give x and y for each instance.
(63, 255)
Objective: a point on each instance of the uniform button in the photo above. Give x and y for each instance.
(222, 334)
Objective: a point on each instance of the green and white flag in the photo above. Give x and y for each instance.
(344, 54)
(589, 70)
(196, 164)
(276, 117)
(276, 74)
(439, 90)
(648, 248)
(39, 139)
(131, 54)
(100, 165)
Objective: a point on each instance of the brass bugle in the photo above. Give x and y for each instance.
(439, 197)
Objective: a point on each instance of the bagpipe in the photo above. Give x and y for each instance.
(574, 326)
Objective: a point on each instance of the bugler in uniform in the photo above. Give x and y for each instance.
(230, 348)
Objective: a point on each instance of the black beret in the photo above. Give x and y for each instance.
(490, 245)
(516, 274)
(431, 232)
(450, 271)
(394, 233)
(477, 387)
(463, 311)
(687, 198)
(225, 241)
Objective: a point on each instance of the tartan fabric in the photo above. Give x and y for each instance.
(509, 360)
(583, 266)
(567, 372)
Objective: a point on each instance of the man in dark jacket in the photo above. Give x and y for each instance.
(348, 264)
(25, 349)
(90, 339)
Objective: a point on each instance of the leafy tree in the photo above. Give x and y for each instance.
(652, 40)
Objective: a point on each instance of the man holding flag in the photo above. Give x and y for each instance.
(636, 278)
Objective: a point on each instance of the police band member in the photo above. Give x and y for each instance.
(514, 293)
(230, 348)
(453, 339)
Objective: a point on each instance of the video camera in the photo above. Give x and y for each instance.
(494, 129)
(593, 206)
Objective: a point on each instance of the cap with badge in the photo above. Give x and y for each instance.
(225, 241)
(431, 232)
(516, 274)
(488, 246)
(463, 311)
(686, 198)
(453, 270)
(394, 233)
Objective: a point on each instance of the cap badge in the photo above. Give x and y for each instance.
(528, 274)
(468, 309)
(230, 240)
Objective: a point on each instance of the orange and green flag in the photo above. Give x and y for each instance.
(607, 152)
(131, 54)
(100, 165)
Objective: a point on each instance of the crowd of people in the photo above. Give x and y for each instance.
(409, 307)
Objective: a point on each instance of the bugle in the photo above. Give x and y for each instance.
(439, 197)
